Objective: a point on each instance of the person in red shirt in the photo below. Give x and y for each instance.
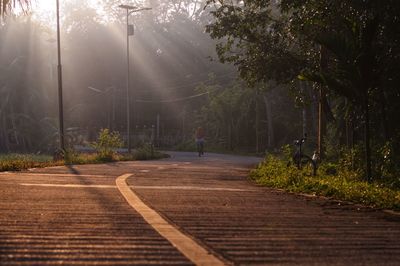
(199, 137)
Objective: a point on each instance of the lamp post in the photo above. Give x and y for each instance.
(60, 95)
(129, 31)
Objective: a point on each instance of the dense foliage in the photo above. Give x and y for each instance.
(336, 181)
(348, 50)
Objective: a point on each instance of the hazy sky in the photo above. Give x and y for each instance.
(45, 10)
(50, 5)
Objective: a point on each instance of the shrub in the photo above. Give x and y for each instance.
(17, 162)
(187, 145)
(343, 185)
(106, 144)
(147, 152)
(71, 156)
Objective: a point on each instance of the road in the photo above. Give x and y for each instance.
(183, 210)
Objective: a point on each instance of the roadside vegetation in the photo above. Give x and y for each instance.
(340, 180)
(323, 68)
(16, 162)
(105, 150)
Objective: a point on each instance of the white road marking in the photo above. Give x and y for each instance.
(137, 187)
(47, 174)
(193, 188)
(67, 185)
(144, 171)
(185, 244)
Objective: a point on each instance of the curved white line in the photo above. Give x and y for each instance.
(186, 245)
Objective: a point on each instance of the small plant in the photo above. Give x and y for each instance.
(147, 152)
(106, 144)
(352, 163)
(71, 156)
(287, 152)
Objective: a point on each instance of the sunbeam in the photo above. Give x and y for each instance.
(168, 60)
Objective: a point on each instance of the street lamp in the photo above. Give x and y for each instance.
(60, 96)
(129, 31)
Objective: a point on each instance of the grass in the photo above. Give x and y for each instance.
(340, 185)
(140, 154)
(19, 162)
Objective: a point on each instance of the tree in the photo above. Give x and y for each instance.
(253, 36)
(10, 5)
(356, 69)
(25, 104)
(269, 41)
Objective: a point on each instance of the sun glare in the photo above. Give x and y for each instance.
(44, 10)
(49, 5)
(45, 5)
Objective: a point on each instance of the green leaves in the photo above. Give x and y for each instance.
(274, 172)
(106, 144)
(252, 36)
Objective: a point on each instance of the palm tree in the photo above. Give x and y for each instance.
(10, 5)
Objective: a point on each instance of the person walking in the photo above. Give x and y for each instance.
(199, 137)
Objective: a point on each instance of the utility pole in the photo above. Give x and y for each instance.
(129, 32)
(60, 94)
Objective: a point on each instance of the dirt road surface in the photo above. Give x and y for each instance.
(183, 210)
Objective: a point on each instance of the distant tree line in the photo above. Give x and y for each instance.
(169, 58)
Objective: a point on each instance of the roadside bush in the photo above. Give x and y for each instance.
(328, 168)
(147, 152)
(106, 144)
(144, 152)
(387, 163)
(343, 185)
(187, 145)
(17, 162)
(287, 151)
(71, 156)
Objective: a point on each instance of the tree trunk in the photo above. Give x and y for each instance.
(367, 140)
(313, 110)
(321, 124)
(304, 111)
(270, 125)
(4, 135)
(230, 145)
(257, 124)
(385, 125)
